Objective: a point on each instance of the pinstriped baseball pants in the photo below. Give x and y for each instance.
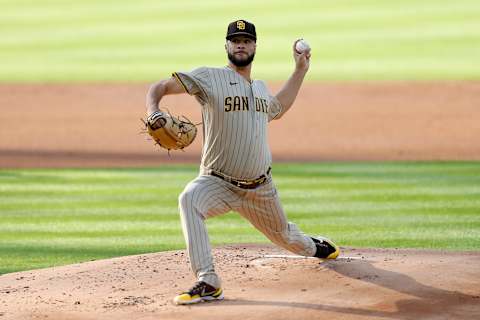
(208, 196)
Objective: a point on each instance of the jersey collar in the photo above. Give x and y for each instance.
(238, 74)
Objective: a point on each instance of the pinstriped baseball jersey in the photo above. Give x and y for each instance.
(235, 118)
(235, 115)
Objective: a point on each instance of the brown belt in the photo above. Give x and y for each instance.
(244, 184)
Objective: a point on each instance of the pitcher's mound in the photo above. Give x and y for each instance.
(260, 282)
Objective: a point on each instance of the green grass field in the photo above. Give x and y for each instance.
(145, 40)
(60, 216)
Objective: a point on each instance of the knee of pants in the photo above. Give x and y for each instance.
(188, 204)
(185, 200)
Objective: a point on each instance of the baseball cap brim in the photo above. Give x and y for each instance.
(245, 34)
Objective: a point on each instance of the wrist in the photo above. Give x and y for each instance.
(153, 116)
(152, 109)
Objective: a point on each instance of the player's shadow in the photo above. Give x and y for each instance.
(425, 299)
(424, 302)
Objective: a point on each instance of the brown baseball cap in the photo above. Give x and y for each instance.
(241, 28)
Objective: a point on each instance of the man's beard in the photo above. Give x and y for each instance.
(241, 62)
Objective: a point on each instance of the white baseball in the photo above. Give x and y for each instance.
(301, 46)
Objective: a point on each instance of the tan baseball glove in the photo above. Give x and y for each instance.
(170, 132)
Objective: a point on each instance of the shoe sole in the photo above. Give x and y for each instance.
(199, 300)
(210, 298)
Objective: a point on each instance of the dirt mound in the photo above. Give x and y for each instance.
(260, 282)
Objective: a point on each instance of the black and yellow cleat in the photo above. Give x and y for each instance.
(200, 292)
(326, 249)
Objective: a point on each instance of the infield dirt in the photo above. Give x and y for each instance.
(99, 125)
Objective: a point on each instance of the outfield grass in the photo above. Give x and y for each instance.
(54, 217)
(144, 40)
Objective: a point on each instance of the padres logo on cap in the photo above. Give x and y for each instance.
(241, 28)
(240, 25)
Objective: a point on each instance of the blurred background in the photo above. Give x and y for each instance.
(125, 41)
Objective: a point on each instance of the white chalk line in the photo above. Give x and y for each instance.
(287, 256)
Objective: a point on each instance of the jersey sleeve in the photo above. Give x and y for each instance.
(274, 108)
(196, 83)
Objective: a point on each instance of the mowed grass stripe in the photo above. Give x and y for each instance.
(69, 228)
(99, 213)
(101, 41)
(315, 13)
(47, 35)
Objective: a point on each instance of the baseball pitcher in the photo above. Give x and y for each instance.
(235, 171)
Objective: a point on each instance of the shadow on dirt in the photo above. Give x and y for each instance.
(426, 302)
